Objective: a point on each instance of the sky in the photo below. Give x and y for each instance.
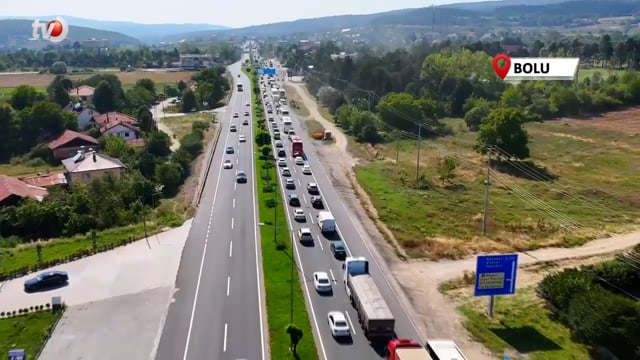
(230, 13)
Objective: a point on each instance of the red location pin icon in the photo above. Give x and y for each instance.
(502, 71)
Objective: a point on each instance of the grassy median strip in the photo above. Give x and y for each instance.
(28, 332)
(277, 255)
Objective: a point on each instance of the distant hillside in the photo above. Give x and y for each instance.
(148, 33)
(486, 14)
(21, 27)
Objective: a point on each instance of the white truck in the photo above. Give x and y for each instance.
(326, 222)
(374, 314)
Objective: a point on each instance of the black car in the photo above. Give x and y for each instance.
(312, 188)
(316, 202)
(338, 249)
(229, 149)
(46, 280)
(282, 153)
(294, 200)
(241, 177)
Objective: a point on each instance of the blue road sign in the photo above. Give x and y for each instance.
(269, 71)
(259, 71)
(17, 354)
(496, 275)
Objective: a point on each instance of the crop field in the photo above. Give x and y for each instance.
(594, 163)
(9, 81)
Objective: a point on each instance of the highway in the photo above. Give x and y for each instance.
(218, 309)
(319, 257)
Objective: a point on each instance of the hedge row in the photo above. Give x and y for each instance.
(30, 309)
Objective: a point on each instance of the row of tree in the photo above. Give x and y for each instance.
(599, 304)
(143, 57)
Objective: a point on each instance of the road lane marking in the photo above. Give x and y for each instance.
(204, 255)
(232, 223)
(237, 161)
(320, 242)
(234, 203)
(299, 183)
(333, 278)
(224, 345)
(228, 284)
(235, 186)
(353, 329)
(230, 248)
(304, 198)
(311, 218)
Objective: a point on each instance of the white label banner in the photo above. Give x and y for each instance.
(542, 69)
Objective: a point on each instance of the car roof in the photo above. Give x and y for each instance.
(241, 172)
(337, 315)
(313, 184)
(293, 195)
(298, 210)
(321, 275)
(305, 229)
(289, 180)
(338, 244)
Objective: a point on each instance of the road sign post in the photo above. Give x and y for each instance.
(496, 275)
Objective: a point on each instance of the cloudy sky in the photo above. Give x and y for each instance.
(228, 13)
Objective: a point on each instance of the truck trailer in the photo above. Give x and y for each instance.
(406, 349)
(326, 222)
(374, 315)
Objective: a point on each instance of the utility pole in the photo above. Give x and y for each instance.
(487, 183)
(418, 158)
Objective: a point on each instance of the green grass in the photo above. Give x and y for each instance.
(313, 125)
(433, 219)
(181, 125)
(604, 73)
(22, 170)
(276, 263)
(56, 249)
(521, 323)
(28, 332)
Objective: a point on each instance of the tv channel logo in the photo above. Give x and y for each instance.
(55, 30)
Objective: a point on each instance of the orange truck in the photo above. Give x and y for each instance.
(406, 349)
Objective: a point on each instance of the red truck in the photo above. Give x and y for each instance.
(296, 146)
(406, 349)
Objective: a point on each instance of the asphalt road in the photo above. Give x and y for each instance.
(217, 311)
(319, 258)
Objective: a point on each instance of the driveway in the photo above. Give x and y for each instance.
(117, 300)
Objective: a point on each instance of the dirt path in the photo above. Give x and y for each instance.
(158, 115)
(420, 279)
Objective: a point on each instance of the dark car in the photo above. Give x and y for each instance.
(294, 200)
(312, 188)
(229, 149)
(241, 177)
(316, 202)
(338, 249)
(46, 280)
(282, 153)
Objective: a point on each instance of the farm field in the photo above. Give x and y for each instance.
(10, 81)
(595, 163)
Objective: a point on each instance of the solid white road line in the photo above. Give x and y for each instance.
(299, 183)
(353, 329)
(232, 223)
(204, 255)
(237, 161)
(228, 284)
(333, 278)
(224, 345)
(320, 243)
(230, 248)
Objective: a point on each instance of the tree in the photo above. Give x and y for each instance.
(147, 84)
(473, 118)
(8, 133)
(168, 175)
(403, 111)
(24, 96)
(58, 68)
(330, 97)
(446, 169)
(503, 128)
(158, 144)
(145, 119)
(189, 101)
(295, 335)
(58, 91)
(182, 86)
(116, 146)
(606, 49)
(104, 97)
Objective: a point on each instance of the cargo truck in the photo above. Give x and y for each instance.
(406, 349)
(374, 315)
(326, 222)
(296, 146)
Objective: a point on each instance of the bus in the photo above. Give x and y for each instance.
(239, 87)
(442, 349)
(296, 146)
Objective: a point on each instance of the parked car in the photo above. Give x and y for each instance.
(46, 280)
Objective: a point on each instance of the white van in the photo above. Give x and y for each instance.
(326, 222)
(286, 120)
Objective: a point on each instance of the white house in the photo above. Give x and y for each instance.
(123, 129)
(85, 114)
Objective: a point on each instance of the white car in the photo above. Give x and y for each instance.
(299, 160)
(242, 138)
(286, 172)
(247, 104)
(279, 143)
(282, 162)
(338, 324)
(306, 169)
(227, 164)
(290, 184)
(298, 215)
(304, 234)
(321, 282)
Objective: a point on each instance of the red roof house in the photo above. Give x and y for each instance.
(103, 119)
(68, 144)
(13, 190)
(82, 91)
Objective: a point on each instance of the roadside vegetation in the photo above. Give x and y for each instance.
(29, 332)
(110, 210)
(436, 116)
(277, 252)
